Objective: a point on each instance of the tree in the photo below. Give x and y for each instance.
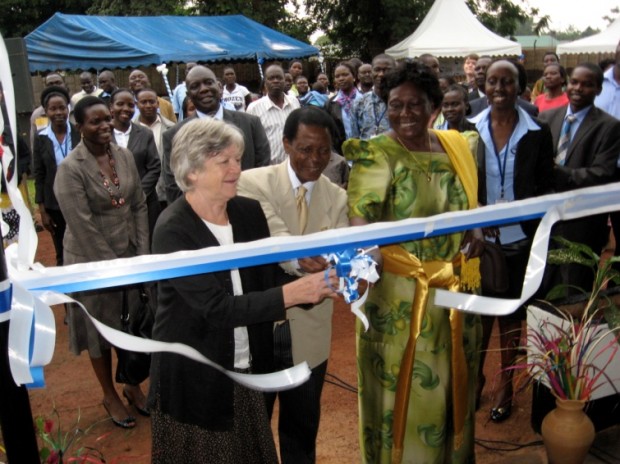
(367, 27)
(572, 33)
(21, 17)
(613, 15)
(135, 7)
(271, 13)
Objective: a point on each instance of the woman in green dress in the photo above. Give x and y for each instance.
(417, 363)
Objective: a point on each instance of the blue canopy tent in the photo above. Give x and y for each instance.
(68, 42)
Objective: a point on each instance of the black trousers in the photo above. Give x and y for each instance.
(300, 407)
(58, 234)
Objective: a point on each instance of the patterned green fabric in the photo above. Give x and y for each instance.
(388, 183)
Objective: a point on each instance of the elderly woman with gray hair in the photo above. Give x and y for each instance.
(199, 414)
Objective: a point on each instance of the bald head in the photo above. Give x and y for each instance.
(107, 81)
(203, 89)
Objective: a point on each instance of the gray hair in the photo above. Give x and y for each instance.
(197, 141)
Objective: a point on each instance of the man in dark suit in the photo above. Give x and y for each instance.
(585, 157)
(204, 92)
(480, 77)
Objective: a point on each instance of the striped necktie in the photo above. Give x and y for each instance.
(302, 208)
(564, 141)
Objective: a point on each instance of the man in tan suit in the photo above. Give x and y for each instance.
(321, 205)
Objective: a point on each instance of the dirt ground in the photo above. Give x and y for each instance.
(72, 389)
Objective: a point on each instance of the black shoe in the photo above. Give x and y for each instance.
(128, 422)
(143, 411)
(501, 413)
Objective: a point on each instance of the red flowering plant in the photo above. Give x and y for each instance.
(60, 447)
(571, 351)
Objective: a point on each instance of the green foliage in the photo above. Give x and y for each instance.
(604, 276)
(613, 14)
(365, 28)
(271, 13)
(572, 33)
(501, 16)
(20, 17)
(134, 7)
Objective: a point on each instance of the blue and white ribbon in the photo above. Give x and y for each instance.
(570, 205)
(351, 267)
(163, 70)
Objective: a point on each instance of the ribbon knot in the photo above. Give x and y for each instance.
(351, 266)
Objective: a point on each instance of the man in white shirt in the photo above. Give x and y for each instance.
(273, 109)
(87, 83)
(238, 95)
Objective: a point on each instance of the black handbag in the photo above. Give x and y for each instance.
(493, 269)
(133, 367)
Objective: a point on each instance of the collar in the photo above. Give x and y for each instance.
(219, 114)
(354, 92)
(579, 115)
(117, 132)
(287, 102)
(47, 130)
(609, 76)
(157, 121)
(295, 182)
(525, 120)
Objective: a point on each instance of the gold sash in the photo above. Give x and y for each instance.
(433, 274)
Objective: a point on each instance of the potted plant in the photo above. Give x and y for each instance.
(569, 348)
(57, 445)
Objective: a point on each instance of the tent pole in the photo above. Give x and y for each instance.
(18, 429)
(260, 62)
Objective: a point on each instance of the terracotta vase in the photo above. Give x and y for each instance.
(567, 432)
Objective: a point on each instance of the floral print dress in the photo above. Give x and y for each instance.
(389, 183)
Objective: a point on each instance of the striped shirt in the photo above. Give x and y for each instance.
(272, 118)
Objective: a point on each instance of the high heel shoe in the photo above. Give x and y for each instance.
(501, 413)
(128, 422)
(143, 411)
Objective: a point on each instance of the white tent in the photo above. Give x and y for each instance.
(451, 29)
(603, 42)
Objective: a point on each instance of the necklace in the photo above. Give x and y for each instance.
(427, 174)
(117, 199)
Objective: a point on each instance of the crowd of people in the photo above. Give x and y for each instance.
(122, 172)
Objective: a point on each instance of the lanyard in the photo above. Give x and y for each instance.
(378, 120)
(500, 166)
(64, 146)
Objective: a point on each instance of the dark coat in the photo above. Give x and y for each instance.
(202, 312)
(591, 160)
(593, 152)
(335, 111)
(533, 169)
(142, 146)
(256, 153)
(44, 163)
